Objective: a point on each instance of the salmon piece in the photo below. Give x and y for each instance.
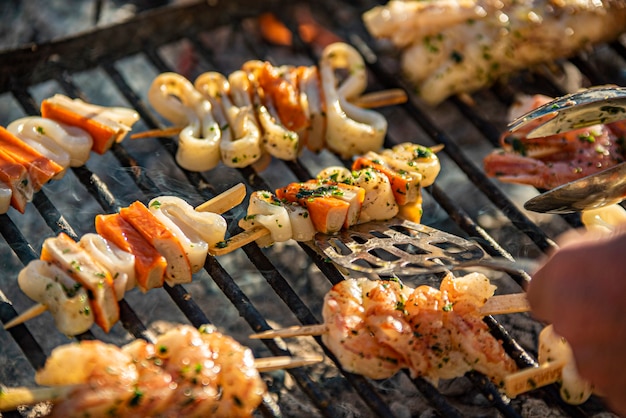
(404, 186)
(96, 279)
(150, 266)
(16, 177)
(279, 84)
(178, 265)
(353, 195)
(105, 125)
(40, 168)
(327, 213)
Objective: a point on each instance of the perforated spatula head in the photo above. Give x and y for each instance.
(399, 247)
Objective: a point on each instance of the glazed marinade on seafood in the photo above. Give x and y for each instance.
(186, 372)
(554, 160)
(459, 46)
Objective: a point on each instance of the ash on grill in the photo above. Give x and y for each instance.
(284, 285)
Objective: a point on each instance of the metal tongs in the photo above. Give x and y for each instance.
(599, 105)
(575, 111)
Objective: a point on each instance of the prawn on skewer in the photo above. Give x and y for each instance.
(554, 160)
(185, 372)
(377, 327)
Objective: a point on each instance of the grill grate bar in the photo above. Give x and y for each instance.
(257, 321)
(22, 336)
(98, 189)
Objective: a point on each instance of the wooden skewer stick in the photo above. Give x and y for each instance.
(381, 98)
(27, 315)
(237, 241)
(221, 203)
(295, 331)
(169, 131)
(224, 201)
(372, 100)
(495, 305)
(532, 378)
(269, 364)
(505, 304)
(11, 398)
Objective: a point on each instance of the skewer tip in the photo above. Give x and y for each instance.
(26, 315)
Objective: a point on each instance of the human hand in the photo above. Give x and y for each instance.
(581, 290)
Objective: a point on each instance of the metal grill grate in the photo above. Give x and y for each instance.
(116, 64)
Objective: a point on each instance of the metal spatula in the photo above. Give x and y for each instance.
(400, 247)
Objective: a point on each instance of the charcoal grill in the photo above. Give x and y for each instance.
(253, 289)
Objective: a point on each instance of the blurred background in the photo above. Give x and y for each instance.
(34, 21)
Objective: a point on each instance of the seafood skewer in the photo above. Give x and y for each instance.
(379, 186)
(556, 364)
(451, 47)
(376, 327)
(276, 110)
(164, 246)
(186, 372)
(495, 305)
(35, 150)
(81, 282)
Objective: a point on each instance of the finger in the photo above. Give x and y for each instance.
(539, 293)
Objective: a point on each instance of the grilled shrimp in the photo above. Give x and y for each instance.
(377, 327)
(481, 351)
(432, 351)
(185, 373)
(551, 161)
(350, 338)
(215, 375)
